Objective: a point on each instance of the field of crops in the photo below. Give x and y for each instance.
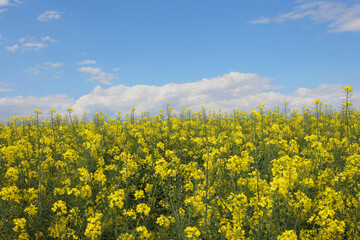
(276, 174)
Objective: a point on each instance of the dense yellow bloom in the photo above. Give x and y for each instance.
(12, 174)
(139, 194)
(84, 175)
(288, 235)
(93, 227)
(116, 198)
(130, 213)
(31, 210)
(59, 208)
(99, 176)
(143, 208)
(282, 173)
(20, 224)
(11, 193)
(192, 232)
(144, 233)
(148, 188)
(85, 191)
(165, 221)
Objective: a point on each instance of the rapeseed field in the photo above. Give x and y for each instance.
(289, 174)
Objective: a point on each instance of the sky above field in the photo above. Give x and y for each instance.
(113, 55)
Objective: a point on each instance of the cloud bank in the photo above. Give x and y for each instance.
(341, 18)
(242, 91)
(24, 106)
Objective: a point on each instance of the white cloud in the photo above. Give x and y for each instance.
(48, 39)
(235, 90)
(340, 17)
(48, 15)
(24, 106)
(54, 64)
(87, 62)
(116, 69)
(4, 3)
(7, 3)
(26, 38)
(33, 46)
(98, 75)
(261, 20)
(12, 48)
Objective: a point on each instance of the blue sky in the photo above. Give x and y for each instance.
(116, 54)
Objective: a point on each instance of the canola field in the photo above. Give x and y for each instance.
(274, 174)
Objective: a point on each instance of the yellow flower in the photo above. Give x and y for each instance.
(93, 227)
(12, 174)
(20, 224)
(139, 194)
(125, 236)
(143, 208)
(130, 213)
(192, 232)
(348, 89)
(164, 221)
(61, 205)
(116, 198)
(31, 210)
(148, 188)
(288, 235)
(11, 193)
(317, 101)
(144, 233)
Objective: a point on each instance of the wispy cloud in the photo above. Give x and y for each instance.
(54, 64)
(87, 62)
(98, 75)
(3, 87)
(30, 43)
(33, 70)
(6, 89)
(7, 3)
(44, 69)
(26, 39)
(341, 17)
(48, 39)
(48, 15)
(261, 20)
(33, 46)
(12, 48)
